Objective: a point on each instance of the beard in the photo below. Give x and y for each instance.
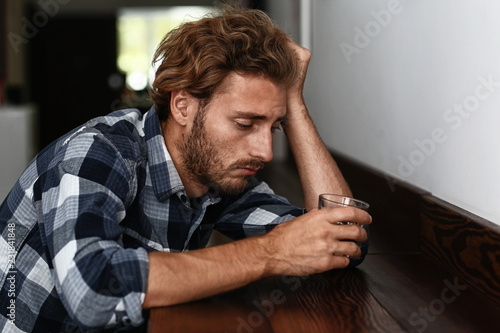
(203, 160)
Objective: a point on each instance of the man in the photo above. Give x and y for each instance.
(112, 218)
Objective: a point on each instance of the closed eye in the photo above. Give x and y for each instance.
(243, 126)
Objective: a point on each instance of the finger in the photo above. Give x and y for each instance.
(347, 214)
(347, 248)
(350, 233)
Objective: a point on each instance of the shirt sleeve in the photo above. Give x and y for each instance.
(81, 199)
(255, 212)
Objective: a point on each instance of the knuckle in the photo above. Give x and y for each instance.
(323, 246)
(357, 232)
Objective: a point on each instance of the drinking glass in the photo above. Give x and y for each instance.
(328, 200)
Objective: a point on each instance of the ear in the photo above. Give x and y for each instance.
(181, 104)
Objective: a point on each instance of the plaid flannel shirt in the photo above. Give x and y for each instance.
(77, 226)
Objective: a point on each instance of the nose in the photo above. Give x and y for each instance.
(262, 146)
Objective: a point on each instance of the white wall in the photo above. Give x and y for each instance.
(412, 88)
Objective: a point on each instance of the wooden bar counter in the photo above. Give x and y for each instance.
(337, 301)
(387, 293)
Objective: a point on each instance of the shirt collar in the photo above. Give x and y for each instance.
(164, 176)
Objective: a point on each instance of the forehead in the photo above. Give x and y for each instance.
(256, 93)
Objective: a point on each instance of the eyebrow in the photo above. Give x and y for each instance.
(256, 116)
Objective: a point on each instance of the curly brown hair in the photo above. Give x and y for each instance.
(197, 56)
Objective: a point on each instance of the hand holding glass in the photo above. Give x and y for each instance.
(335, 200)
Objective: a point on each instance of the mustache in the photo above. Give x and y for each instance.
(248, 164)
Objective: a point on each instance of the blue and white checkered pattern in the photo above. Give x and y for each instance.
(78, 225)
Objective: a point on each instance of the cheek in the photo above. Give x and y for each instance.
(230, 142)
(232, 149)
(226, 136)
(231, 146)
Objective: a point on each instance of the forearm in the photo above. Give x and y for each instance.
(182, 277)
(318, 171)
(302, 246)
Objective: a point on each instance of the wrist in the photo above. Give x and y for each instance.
(296, 110)
(295, 101)
(265, 250)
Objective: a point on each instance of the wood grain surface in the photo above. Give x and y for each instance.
(465, 244)
(401, 293)
(336, 301)
(423, 297)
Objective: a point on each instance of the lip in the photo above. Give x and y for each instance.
(248, 171)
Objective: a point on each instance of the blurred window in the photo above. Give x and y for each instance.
(140, 30)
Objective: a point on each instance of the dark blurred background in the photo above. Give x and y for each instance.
(61, 57)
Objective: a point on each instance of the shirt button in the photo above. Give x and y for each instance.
(183, 198)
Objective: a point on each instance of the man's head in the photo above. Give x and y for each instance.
(198, 56)
(222, 144)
